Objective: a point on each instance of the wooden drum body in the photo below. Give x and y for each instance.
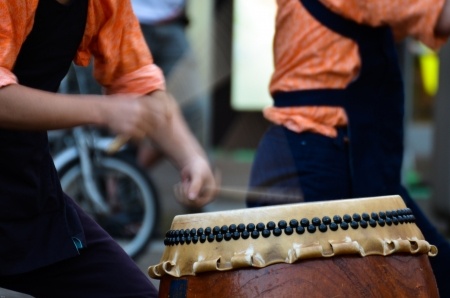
(368, 247)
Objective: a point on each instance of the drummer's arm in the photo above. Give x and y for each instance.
(443, 23)
(172, 135)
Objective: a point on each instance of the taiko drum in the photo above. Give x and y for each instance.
(367, 247)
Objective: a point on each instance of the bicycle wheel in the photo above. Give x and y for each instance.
(129, 193)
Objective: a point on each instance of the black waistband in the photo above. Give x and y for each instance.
(320, 97)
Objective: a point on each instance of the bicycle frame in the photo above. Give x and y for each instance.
(84, 144)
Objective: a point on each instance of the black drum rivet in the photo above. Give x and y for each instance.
(300, 230)
(195, 239)
(282, 224)
(271, 225)
(188, 240)
(389, 214)
(316, 221)
(363, 223)
(312, 228)
(193, 232)
(203, 238)
(224, 229)
(255, 234)
(187, 232)
(374, 215)
(344, 225)
(260, 226)
(232, 228)
(216, 230)
(210, 237)
(241, 227)
(289, 230)
(236, 235)
(382, 215)
(200, 232)
(304, 222)
(347, 218)
(334, 226)
(277, 231)
(395, 220)
(250, 227)
(388, 221)
(337, 219)
(245, 235)
(326, 220)
(372, 223)
(356, 217)
(208, 231)
(293, 223)
(219, 237)
(323, 228)
(354, 224)
(365, 216)
(181, 232)
(265, 233)
(227, 236)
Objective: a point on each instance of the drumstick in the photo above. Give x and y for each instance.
(243, 194)
(255, 194)
(116, 144)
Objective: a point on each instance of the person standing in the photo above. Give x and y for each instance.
(49, 247)
(338, 104)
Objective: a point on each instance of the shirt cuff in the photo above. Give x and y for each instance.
(7, 77)
(142, 81)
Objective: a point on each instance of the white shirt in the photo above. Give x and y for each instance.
(155, 11)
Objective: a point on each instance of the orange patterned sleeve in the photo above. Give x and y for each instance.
(16, 22)
(406, 17)
(122, 59)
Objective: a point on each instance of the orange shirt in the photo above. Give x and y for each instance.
(122, 60)
(308, 55)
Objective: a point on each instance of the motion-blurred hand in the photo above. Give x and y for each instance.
(198, 184)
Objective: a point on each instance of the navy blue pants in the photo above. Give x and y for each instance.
(314, 167)
(102, 269)
(308, 165)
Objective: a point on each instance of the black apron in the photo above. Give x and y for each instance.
(37, 227)
(373, 103)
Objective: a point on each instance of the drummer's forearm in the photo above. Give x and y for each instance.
(30, 109)
(176, 140)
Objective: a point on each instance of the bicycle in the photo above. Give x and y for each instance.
(112, 188)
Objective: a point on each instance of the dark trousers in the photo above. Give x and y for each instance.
(314, 167)
(102, 269)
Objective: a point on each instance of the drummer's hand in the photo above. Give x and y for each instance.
(136, 117)
(198, 185)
